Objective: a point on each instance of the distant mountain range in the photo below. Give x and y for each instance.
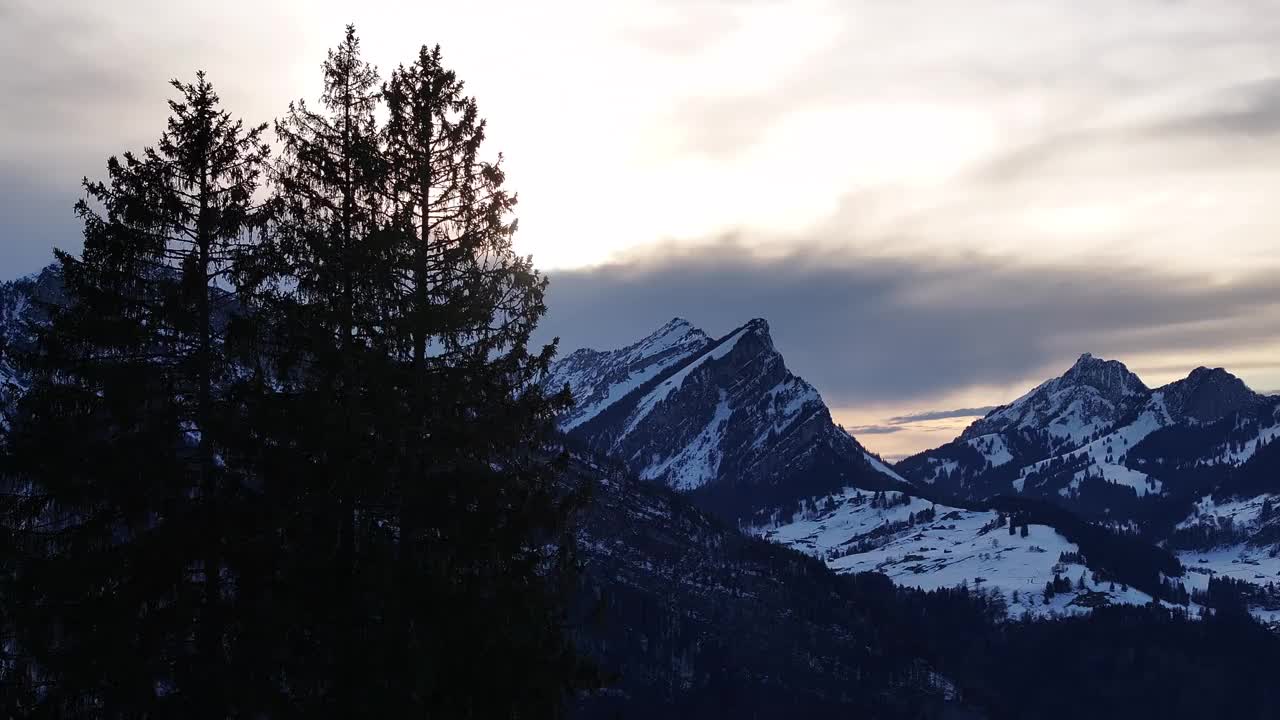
(724, 421)
(1193, 466)
(1100, 442)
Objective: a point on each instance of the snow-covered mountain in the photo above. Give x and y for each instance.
(1091, 395)
(601, 378)
(1193, 465)
(726, 422)
(1096, 437)
(22, 302)
(723, 419)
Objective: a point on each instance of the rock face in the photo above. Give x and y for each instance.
(22, 302)
(722, 419)
(1207, 395)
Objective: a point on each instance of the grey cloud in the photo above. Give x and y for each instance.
(874, 429)
(1145, 51)
(875, 330)
(1248, 110)
(942, 415)
(82, 83)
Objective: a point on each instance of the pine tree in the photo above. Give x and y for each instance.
(320, 286)
(314, 474)
(123, 521)
(401, 320)
(478, 417)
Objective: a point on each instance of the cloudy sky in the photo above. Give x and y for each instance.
(935, 204)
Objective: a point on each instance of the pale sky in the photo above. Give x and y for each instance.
(936, 204)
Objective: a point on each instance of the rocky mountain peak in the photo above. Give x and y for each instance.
(722, 418)
(1111, 377)
(1091, 394)
(599, 378)
(1207, 394)
(758, 330)
(676, 332)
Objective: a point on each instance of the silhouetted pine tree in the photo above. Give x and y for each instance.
(121, 514)
(476, 500)
(425, 495)
(310, 475)
(320, 287)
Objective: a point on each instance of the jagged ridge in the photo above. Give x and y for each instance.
(724, 419)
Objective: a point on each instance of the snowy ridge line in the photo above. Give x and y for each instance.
(637, 394)
(615, 373)
(726, 420)
(675, 381)
(1071, 437)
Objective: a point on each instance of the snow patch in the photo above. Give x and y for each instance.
(956, 547)
(699, 461)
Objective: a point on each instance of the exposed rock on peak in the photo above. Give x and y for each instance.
(1109, 376)
(1206, 395)
(1090, 395)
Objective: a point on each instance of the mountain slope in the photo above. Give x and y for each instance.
(726, 422)
(23, 301)
(1011, 549)
(723, 419)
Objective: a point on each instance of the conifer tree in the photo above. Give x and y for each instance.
(319, 285)
(475, 502)
(120, 523)
(398, 319)
(313, 474)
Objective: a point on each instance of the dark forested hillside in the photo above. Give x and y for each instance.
(687, 617)
(1127, 662)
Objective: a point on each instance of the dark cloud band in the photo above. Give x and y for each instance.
(874, 330)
